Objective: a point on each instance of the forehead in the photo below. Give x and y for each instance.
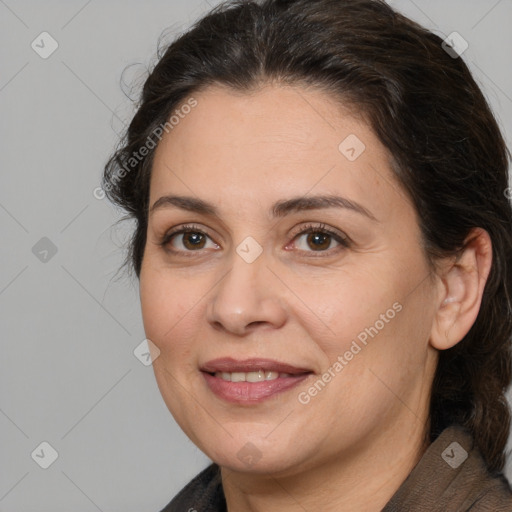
(280, 118)
(280, 141)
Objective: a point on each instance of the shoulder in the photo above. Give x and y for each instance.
(453, 477)
(202, 494)
(494, 493)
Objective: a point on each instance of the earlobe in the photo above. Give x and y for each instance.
(461, 287)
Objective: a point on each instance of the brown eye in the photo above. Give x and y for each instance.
(193, 240)
(187, 239)
(319, 239)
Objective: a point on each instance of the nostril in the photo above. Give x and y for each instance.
(254, 324)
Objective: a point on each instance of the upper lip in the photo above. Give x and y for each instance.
(229, 365)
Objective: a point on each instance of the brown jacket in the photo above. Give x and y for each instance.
(450, 477)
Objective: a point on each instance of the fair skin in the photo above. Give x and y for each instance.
(303, 303)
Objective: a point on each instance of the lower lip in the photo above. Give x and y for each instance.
(251, 392)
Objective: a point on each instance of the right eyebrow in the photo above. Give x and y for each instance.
(188, 203)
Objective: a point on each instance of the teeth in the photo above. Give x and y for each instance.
(237, 377)
(255, 376)
(258, 376)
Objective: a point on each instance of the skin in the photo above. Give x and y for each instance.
(359, 437)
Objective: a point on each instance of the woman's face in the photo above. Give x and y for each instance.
(349, 311)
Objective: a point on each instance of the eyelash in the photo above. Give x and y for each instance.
(343, 240)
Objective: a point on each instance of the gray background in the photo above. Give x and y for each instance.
(68, 374)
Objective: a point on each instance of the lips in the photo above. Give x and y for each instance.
(230, 365)
(251, 380)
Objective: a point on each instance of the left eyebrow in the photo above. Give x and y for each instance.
(282, 208)
(278, 209)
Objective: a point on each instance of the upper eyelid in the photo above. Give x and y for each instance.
(301, 230)
(308, 225)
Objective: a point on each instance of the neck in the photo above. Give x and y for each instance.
(364, 479)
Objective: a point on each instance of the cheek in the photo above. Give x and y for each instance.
(378, 307)
(167, 306)
(169, 317)
(347, 303)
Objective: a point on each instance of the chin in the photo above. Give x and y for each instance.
(257, 455)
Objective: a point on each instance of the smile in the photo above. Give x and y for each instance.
(250, 376)
(252, 380)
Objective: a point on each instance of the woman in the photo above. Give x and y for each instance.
(324, 246)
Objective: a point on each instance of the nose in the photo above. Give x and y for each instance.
(247, 297)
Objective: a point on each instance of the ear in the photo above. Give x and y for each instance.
(461, 286)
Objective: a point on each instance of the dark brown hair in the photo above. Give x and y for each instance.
(425, 107)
